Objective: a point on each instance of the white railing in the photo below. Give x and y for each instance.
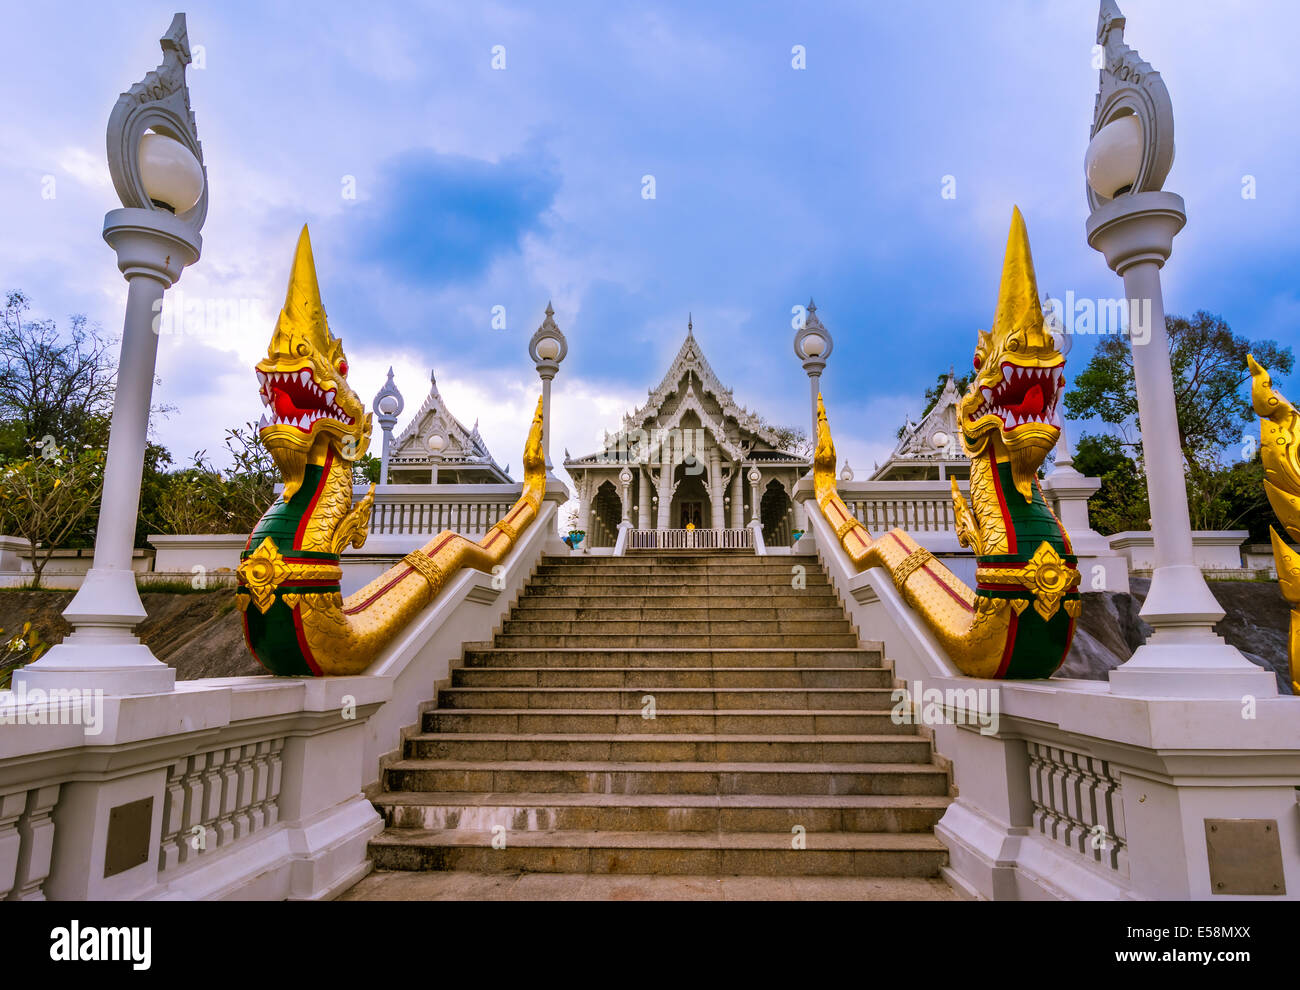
(429, 509)
(235, 787)
(690, 539)
(1054, 784)
(914, 506)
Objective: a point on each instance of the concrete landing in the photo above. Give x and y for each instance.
(466, 886)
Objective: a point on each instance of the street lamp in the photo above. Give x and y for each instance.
(812, 345)
(1133, 223)
(436, 443)
(387, 406)
(547, 348)
(156, 164)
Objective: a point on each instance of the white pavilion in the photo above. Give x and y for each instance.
(697, 464)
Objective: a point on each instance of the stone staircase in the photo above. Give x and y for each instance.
(768, 714)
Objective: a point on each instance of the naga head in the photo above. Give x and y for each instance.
(304, 383)
(1014, 401)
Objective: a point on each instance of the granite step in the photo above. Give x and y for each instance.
(663, 747)
(652, 677)
(667, 777)
(671, 698)
(555, 659)
(894, 854)
(670, 721)
(525, 812)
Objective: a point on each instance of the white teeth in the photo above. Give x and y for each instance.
(266, 399)
(988, 394)
(261, 377)
(329, 398)
(263, 422)
(304, 376)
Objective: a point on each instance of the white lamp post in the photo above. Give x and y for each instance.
(547, 349)
(812, 345)
(436, 443)
(156, 164)
(387, 406)
(1133, 223)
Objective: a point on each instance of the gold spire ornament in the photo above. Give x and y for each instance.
(315, 427)
(1009, 420)
(1279, 449)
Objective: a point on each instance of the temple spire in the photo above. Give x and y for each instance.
(1019, 309)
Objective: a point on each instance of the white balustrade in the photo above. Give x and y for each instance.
(690, 539)
(430, 509)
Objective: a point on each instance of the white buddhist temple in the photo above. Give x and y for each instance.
(930, 450)
(435, 447)
(688, 469)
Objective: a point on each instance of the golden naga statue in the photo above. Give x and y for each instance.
(1010, 419)
(1279, 433)
(295, 618)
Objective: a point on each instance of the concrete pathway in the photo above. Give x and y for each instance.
(464, 886)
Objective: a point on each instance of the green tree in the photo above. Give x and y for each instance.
(43, 498)
(1209, 370)
(1121, 502)
(52, 384)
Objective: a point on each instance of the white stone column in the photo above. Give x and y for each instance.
(737, 496)
(153, 248)
(643, 498)
(716, 520)
(1184, 656)
(665, 488)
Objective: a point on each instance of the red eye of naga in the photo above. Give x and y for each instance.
(343, 367)
(978, 362)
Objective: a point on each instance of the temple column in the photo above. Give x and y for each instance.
(737, 496)
(665, 490)
(643, 498)
(715, 490)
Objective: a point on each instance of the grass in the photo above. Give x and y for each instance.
(181, 585)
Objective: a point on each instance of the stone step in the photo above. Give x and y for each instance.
(662, 812)
(637, 678)
(664, 747)
(669, 777)
(776, 581)
(532, 611)
(691, 641)
(668, 721)
(671, 698)
(715, 598)
(898, 854)
(464, 885)
(776, 628)
(556, 659)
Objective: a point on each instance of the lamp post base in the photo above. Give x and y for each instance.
(1184, 658)
(101, 654)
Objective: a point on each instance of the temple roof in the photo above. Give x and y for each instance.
(465, 447)
(934, 440)
(691, 385)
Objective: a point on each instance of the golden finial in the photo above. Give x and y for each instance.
(303, 314)
(1019, 312)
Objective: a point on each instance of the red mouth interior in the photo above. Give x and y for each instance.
(296, 400)
(1025, 395)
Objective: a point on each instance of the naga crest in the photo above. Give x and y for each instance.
(304, 383)
(1014, 401)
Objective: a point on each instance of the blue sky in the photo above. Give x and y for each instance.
(478, 187)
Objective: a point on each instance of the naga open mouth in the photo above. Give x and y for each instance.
(295, 399)
(1024, 396)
